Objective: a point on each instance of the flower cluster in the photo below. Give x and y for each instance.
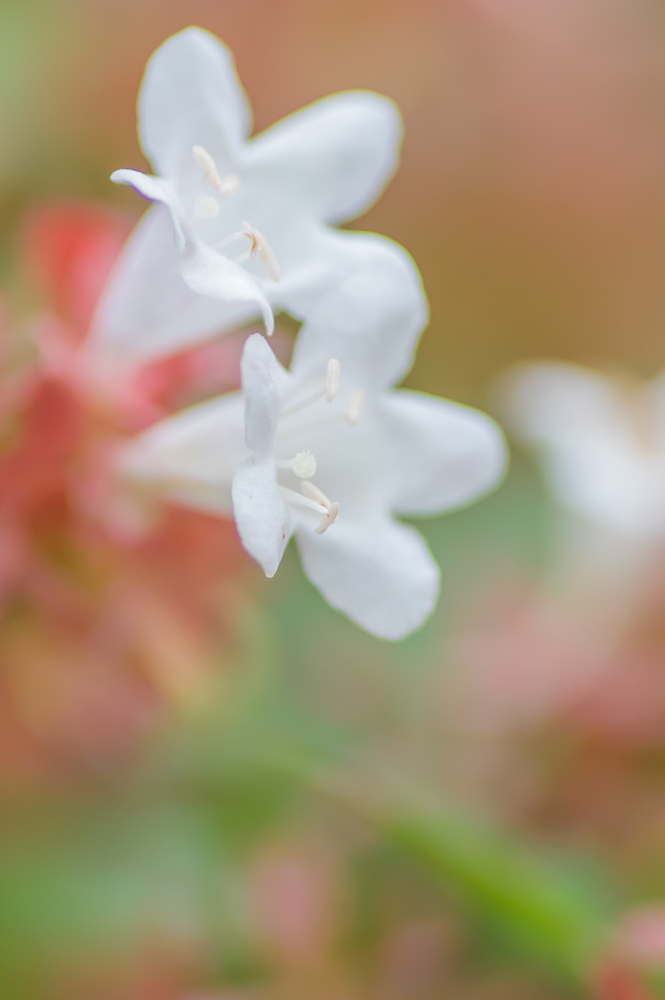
(98, 638)
(240, 228)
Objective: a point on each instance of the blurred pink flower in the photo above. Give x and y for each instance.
(539, 666)
(641, 936)
(616, 980)
(526, 668)
(295, 906)
(106, 619)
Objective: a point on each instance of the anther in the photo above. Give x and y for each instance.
(261, 249)
(356, 401)
(206, 207)
(332, 379)
(304, 465)
(329, 518)
(331, 509)
(207, 164)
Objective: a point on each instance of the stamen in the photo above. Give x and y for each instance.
(314, 493)
(334, 418)
(297, 407)
(330, 391)
(229, 239)
(303, 464)
(329, 518)
(331, 509)
(332, 379)
(241, 258)
(261, 249)
(206, 207)
(207, 164)
(356, 401)
(297, 498)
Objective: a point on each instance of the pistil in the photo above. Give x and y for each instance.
(303, 464)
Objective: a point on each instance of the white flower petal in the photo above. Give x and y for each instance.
(262, 520)
(337, 154)
(600, 454)
(146, 310)
(264, 384)
(443, 455)
(326, 163)
(554, 401)
(314, 259)
(380, 573)
(192, 456)
(155, 189)
(207, 272)
(370, 321)
(191, 96)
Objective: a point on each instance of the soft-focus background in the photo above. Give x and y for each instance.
(213, 787)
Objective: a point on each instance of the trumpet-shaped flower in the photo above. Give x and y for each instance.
(331, 453)
(252, 219)
(602, 440)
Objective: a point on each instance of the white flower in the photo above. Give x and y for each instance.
(330, 452)
(252, 219)
(602, 442)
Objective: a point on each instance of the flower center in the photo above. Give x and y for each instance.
(303, 464)
(206, 206)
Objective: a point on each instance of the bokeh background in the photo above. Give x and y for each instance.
(477, 812)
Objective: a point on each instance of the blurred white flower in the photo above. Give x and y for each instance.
(330, 452)
(252, 219)
(601, 439)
